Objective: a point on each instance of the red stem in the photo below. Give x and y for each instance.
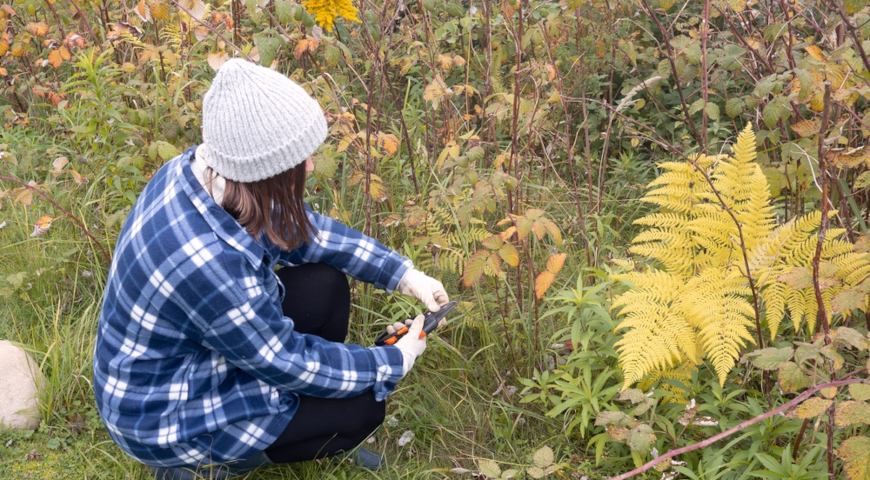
(715, 438)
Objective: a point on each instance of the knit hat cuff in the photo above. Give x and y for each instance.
(268, 164)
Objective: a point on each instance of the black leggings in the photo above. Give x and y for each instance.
(318, 300)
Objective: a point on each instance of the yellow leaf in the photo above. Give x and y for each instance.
(377, 189)
(806, 128)
(505, 235)
(3, 71)
(18, 50)
(389, 142)
(543, 283)
(39, 29)
(551, 72)
(815, 52)
(458, 61)
(64, 53)
(445, 62)
(160, 11)
(474, 268)
(556, 262)
(55, 59)
(4, 47)
(509, 254)
(42, 226)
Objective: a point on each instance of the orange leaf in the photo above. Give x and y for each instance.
(3, 71)
(39, 29)
(42, 226)
(74, 39)
(301, 47)
(64, 53)
(143, 11)
(543, 282)
(4, 47)
(78, 177)
(55, 58)
(556, 262)
(390, 143)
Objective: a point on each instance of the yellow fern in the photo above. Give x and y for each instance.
(698, 305)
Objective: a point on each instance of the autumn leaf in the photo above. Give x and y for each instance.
(556, 262)
(811, 408)
(78, 177)
(389, 142)
(39, 29)
(855, 453)
(815, 52)
(474, 267)
(143, 11)
(73, 39)
(216, 60)
(160, 11)
(58, 164)
(195, 7)
(42, 225)
(4, 47)
(509, 254)
(806, 128)
(57, 56)
(543, 283)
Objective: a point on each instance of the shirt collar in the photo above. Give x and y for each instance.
(223, 224)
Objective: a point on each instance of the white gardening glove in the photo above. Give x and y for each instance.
(411, 345)
(417, 284)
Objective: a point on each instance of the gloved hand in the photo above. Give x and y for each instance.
(411, 345)
(417, 284)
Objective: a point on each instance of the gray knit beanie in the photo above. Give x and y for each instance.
(257, 123)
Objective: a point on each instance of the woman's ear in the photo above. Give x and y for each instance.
(309, 165)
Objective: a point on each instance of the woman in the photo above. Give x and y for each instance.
(205, 354)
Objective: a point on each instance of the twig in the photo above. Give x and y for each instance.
(65, 211)
(213, 31)
(87, 25)
(715, 438)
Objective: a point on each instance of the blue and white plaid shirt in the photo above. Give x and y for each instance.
(195, 362)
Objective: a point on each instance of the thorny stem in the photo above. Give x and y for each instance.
(65, 211)
(88, 25)
(715, 438)
(213, 30)
(678, 87)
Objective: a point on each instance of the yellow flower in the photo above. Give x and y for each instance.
(326, 11)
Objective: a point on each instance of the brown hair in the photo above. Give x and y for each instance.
(275, 205)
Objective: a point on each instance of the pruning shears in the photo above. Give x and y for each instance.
(430, 322)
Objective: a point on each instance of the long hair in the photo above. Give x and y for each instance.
(275, 206)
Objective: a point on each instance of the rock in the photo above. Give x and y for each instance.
(19, 404)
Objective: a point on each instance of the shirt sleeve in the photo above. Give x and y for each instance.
(351, 252)
(258, 339)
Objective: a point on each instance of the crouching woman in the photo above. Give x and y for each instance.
(205, 353)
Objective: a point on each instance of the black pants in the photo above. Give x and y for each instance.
(318, 300)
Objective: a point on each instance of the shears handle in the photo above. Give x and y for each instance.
(430, 322)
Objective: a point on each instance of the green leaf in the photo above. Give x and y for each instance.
(284, 10)
(852, 412)
(268, 48)
(509, 254)
(791, 378)
(854, 6)
(734, 107)
(712, 111)
(855, 453)
(324, 166)
(16, 279)
(510, 473)
(850, 337)
(765, 86)
(666, 4)
(664, 68)
(475, 153)
(544, 457)
(641, 438)
(770, 358)
(859, 391)
(634, 395)
(489, 468)
(535, 472)
(697, 106)
(614, 418)
(806, 79)
(775, 110)
(863, 181)
(165, 150)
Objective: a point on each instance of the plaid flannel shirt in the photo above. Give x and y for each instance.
(194, 361)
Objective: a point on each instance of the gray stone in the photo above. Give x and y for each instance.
(19, 404)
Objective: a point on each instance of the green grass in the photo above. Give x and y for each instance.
(446, 400)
